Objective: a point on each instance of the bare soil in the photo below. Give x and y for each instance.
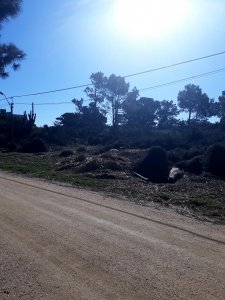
(58, 242)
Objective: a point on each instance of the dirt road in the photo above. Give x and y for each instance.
(62, 243)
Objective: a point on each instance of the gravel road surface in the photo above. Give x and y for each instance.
(59, 242)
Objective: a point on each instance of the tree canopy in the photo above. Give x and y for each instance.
(9, 8)
(195, 103)
(116, 92)
(10, 55)
(96, 93)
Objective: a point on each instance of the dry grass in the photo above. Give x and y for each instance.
(111, 172)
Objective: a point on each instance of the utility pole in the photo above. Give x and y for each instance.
(12, 129)
(11, 105)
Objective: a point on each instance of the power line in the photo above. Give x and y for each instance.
(174, 65)
(126, 76)
(183, 79)
(52, 91)
(141, 90)
(46, 103)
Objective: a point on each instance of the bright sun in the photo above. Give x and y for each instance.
(149, 18)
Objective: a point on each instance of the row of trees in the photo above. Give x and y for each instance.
(110, 108)
(110, 97)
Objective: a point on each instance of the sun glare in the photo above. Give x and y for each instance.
(149, 18)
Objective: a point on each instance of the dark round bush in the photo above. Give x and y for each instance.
(193, 166)
(193, 152)
(176, 154)
(215, 160)
(35, 146)
(155, 165)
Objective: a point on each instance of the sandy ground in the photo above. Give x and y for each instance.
(58, 242)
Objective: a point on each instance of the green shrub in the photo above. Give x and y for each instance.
(193, 152)
(215, 160)
(155, 165)
(35, 146)
(193, 166)
(176, 155)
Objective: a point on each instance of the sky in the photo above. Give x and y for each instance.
(66, 41)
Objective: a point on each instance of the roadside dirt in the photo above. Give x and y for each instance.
(58, 242)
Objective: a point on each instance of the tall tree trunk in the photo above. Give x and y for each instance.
(189, 116)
